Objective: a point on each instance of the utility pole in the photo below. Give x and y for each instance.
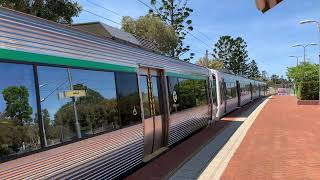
(207, 58)
(78, 130)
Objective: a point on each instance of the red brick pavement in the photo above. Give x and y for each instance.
(283, 143)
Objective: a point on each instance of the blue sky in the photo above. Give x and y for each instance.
(269, 36)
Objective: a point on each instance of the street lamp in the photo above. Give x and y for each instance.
(297, 59)
(318, 24)
(304, 49)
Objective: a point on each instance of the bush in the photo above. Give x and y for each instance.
(308, 90)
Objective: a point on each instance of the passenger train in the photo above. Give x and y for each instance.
(77, 105)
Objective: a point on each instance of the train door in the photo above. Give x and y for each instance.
(238, 93)
(153, 107)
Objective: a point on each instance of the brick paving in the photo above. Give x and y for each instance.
(283, 143)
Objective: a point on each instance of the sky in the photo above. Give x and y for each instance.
(269, 36)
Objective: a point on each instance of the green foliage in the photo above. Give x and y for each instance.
(233, 53)
(94, 112)
(17, 101)
(153, 29)
(212, 63)
(306, 78)
(186, 98)
(253, 72)
(60, 11)
(176, 14)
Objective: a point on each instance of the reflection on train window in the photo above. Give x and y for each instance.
(19, 127)
(186, 93)
(231, 90)
(95, 98)
(128, 98)
(145, 96)
(200, 87)
(173, 93)
(97, 108)
(57, 111)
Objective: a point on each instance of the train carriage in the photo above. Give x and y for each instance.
(77, 105)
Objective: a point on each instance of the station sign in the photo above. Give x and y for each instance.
(72, 93)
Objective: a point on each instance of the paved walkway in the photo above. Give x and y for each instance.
(210, 161)
(283, 143)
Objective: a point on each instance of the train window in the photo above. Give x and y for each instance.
(57, 110)
(186, 93)
(128, 98)
(173, 84)
(19, 128)
(200, 88)
(231, 90)
(97, 107)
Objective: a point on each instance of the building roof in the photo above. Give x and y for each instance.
(107, 31)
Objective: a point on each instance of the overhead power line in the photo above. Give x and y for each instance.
(200, 40)
(98, 5)
(148, 6)
(145, 4)
(204, 35)
(101, 17)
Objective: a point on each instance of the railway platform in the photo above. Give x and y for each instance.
(271, 138)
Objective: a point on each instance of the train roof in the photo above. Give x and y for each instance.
(32, 39)
(229, 75)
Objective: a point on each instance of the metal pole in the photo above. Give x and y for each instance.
(74, 106)
(297, 61)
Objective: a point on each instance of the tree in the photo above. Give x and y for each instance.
(60, 11)
(153, 29)
(254, 72)
(176, 14)
(94, 112)
(233, 53)
(17, 101)
(212, 63)
(275, 79)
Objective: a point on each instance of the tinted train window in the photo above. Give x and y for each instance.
(231, 90)
(97, 109)
(128, 98)
(186, 94)
(57, 110)
(173, 84)
(19, 128)
(200, 88)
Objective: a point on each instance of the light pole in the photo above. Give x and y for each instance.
(304, 49)
(318, 24)
(297, 57)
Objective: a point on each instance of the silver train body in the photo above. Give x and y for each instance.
(162, 115)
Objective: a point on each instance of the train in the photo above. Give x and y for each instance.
(75, 105)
